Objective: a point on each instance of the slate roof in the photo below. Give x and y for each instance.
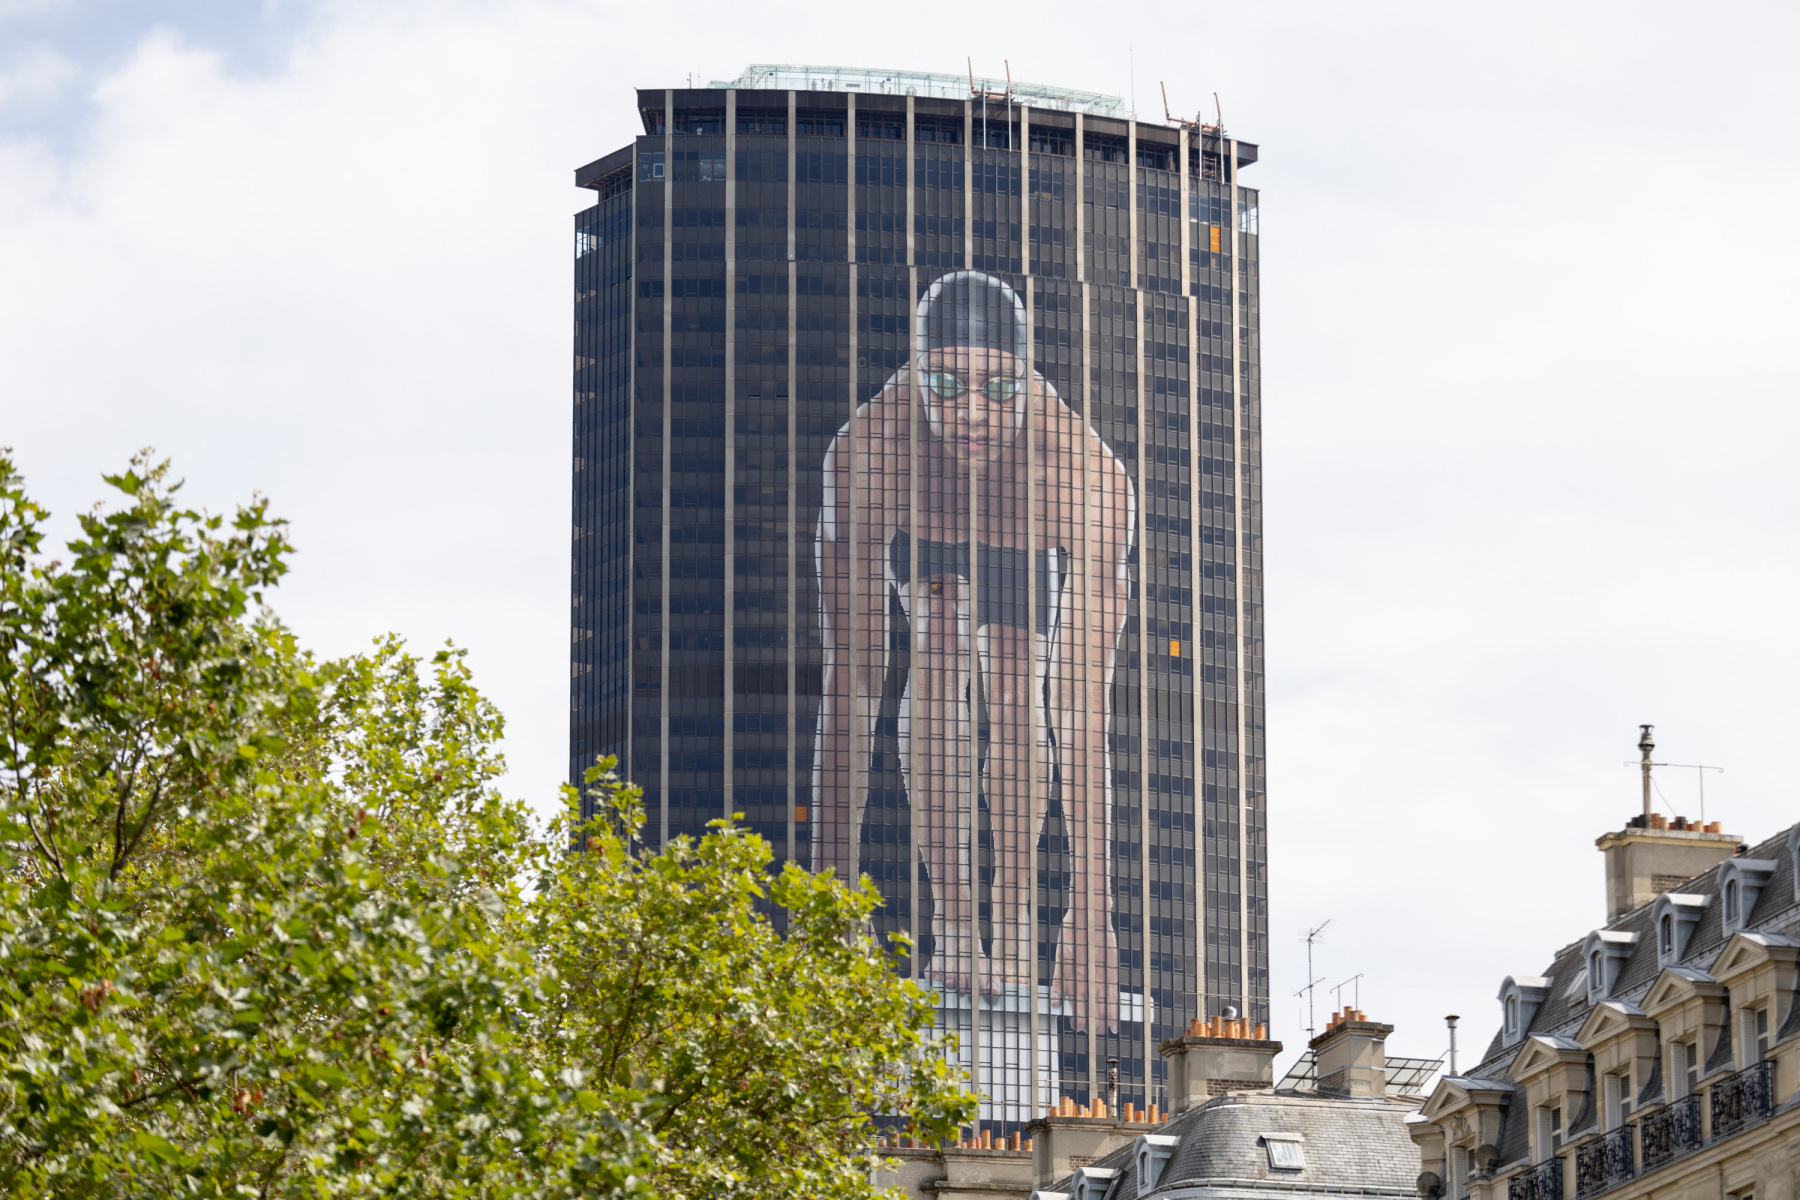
(1565, 1005)
(1351, 1146)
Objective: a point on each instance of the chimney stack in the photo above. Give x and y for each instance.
(1351, 1055)
(1223, 1054)
(1644, 861)
(1653, 854)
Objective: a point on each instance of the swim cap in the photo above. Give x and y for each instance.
(971, 308)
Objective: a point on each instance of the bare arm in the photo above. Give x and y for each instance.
(851, 539)
(1097, 616)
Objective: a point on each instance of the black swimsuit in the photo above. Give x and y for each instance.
(1005, 574)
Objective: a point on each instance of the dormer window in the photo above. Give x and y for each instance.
(1674, 916)
(1607, 952)
(1154, 1150)
(1741, 881)
(1519, 998)
(1794, 857)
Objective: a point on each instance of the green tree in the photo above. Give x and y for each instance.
(766, 1053)
(265, 926)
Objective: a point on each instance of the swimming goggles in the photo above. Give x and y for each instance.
(1000, 391)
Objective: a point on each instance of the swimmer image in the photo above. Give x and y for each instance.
(968, 509)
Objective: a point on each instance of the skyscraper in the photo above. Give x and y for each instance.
(918, 518)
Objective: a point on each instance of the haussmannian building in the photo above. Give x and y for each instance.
(918, 519)
(1658, 1055)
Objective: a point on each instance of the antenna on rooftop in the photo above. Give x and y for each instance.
(1312, 935)
(1218, 115)
(1354, 983)
(1646, 745)
(1699, 771)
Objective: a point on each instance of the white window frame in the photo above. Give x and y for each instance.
(1549, 1131)
(1286, 1151)
(1686, 1058)
(1618, 1099)
(1754, 1024)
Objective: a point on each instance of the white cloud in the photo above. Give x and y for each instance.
(1529, 409)
(31, 78)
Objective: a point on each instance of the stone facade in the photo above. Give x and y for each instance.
(1658, 1055)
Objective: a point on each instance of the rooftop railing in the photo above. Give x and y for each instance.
(783, 76)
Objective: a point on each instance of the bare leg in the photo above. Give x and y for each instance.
(934, 753)
(1011, 671)
(1087, 948)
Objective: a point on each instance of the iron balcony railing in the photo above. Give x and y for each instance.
(1605, 1163)
(1550, 1180)
(1522, 1186)
(1671, 1132)
(1743, 1099)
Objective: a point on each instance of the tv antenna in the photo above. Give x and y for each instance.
(1312, 936)
(1699, 771)
(1647, 744)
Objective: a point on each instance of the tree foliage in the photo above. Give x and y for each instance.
(268, 928)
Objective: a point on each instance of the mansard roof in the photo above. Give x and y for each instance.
(1353, 1146)
(1565, 1007)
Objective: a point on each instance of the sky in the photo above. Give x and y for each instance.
(1528, 311)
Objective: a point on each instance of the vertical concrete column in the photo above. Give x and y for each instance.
(1241, 513)
(731, 551)
(913, 869)
(793, 537)
(1096, 771)
(628, 760)
(1084, 578)
(1131, 200)
(1196, 447)
(1033, 792)
(1141, 534)
(968, 831)
(854, 626)
(668, 394)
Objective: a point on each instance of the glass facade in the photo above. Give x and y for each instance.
(917, 518)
